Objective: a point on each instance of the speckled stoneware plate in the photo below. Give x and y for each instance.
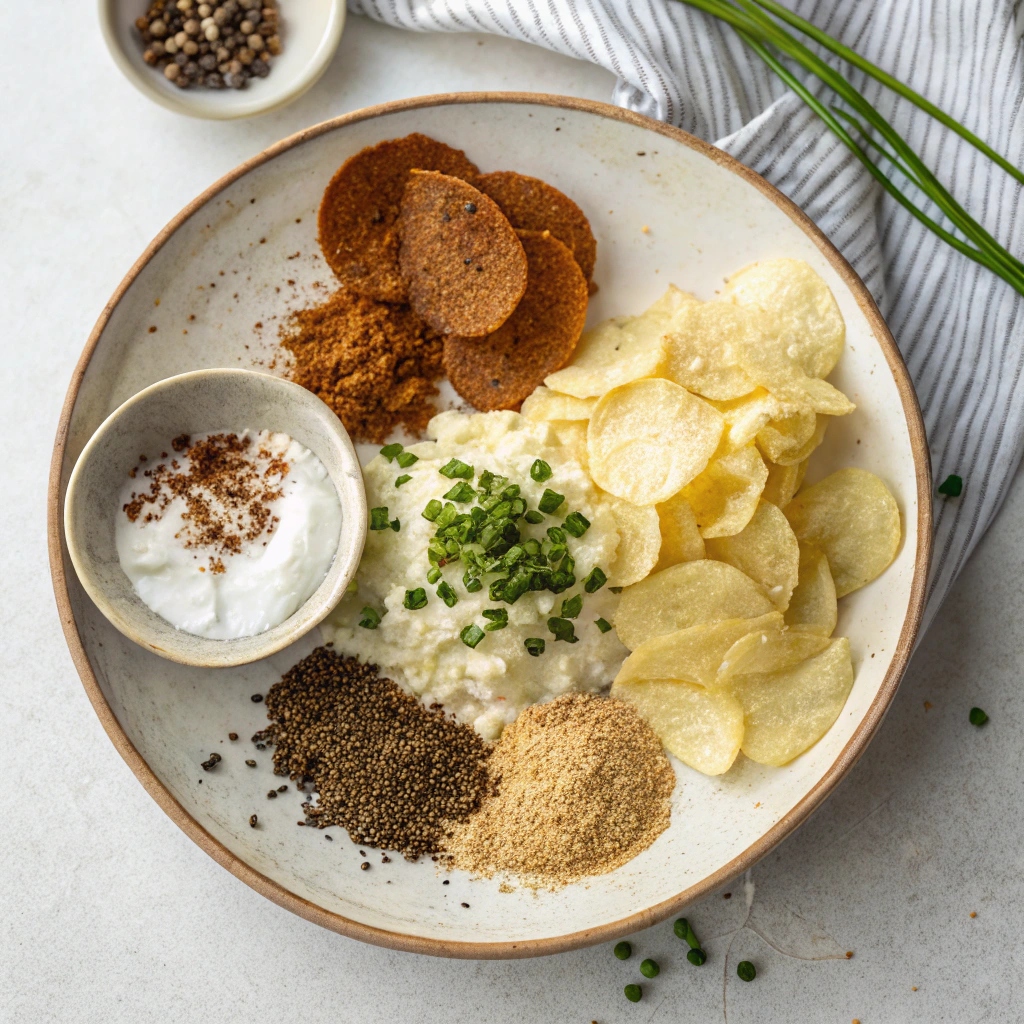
(214, 285)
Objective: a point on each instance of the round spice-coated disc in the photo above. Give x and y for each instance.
(463, 263)
(533, 205)
(360, 206)
(500, 370)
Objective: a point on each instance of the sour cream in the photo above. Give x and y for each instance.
(249, 578)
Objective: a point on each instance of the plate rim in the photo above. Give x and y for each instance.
(796, 816)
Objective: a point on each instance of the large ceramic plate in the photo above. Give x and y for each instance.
(244, 252)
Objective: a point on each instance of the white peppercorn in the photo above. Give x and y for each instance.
(191, 47)
(212, 33)
(204, 10)
(256, 42)
(247, 28)
(181, 38)
(246, 56)
(184, 5)
(172, 71)
(171, 46)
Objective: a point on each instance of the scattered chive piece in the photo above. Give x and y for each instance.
(395, 524)
(534, 645)
(447, 595)
(474, 585)
(471, 635)
(697, 957)
(563, 630)
(540, 471)
(390, 451)
(977, 717)
(603, 625)
(634, 993)
(498, 617)
(432, 511)
(370, 618)
(952, 486)
(456, 469)
(649, 968)
(623, 950)
(615, 590)
(684, 931)
(594, 580)
(403, 479)
(434, 574)
(534, 517)
(576, 523)
(407, 459)
(379, 518)
(550, 500)
(572, 606)
(352, 588)
(746, 971)
(461, 492)
(415, 599)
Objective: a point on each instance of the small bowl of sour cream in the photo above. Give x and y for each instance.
(217, 516)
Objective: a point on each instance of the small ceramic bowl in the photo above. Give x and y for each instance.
(311, 31)
(195, 403)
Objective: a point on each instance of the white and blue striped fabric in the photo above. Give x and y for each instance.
(956, 324)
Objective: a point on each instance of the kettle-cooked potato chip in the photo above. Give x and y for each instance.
(780, 439)
(766, 550)
(680, 537)
(703, 728)
(785, 713)
(639, 542)
(695, 654)
(796, 296)
(545, 404)
(649, 438)
(812, 608)
(783, 482)
(745, 416)
(725, 495)
(770, 648)
(686, 595)
(853, 518)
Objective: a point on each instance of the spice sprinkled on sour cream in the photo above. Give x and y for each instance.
(228, 534)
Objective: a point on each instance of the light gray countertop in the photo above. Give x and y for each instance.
(108, 913)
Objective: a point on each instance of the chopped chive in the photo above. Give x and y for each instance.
(390, 451)
(534, 646)
(746, 971)
(556, 535)
(603, 624)
(447, 595)
(540, 471)
(352, 588)
(434, 574)
(447, 515)
(572, 606)
(683, 930)
(379, 518)
(550, 500)
(977, 717)
(471, 635)
(697, 956)
(576, 523)
(407, 459)
(563, 630)
(634, 993)
(461, 492)
(952, 486)
(498, 617)
(533, 517)
(432, 510)
(395, 524)
(415, 599)
(474, 585)
(403, 479)
(594, 580)
(649, 968)
(456, 468)
(370, 618)
(623, 950)
(510, 492)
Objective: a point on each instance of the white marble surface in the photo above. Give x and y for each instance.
(109, 914)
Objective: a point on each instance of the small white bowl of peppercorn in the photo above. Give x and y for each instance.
(222, 59)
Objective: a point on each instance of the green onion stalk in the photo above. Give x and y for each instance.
(762, 25)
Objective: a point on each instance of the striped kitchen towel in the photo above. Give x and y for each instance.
(955, 322)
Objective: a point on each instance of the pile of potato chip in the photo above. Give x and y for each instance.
(699, 417)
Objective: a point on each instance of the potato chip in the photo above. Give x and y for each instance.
(680, 538)
(639, 542)
(694, 655)
(500, 370)
(615, 352)
(766, 550)
(745, 416)
(533, 205)
(769, 649)
(686, 595)
(700, 349)
(360, 206)
(796, 296)
(785, 713)
(545, 404)
(671, 302)
(463, 262)
(725, 495)
(572, 434)
(812, 608)
(853, 518)
(650, 438)
(703, 728)
(779, 438)
(783, 482)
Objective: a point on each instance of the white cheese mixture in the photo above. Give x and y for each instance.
(220, 595)
(421, 649)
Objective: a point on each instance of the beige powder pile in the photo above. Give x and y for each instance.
(584, 786)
